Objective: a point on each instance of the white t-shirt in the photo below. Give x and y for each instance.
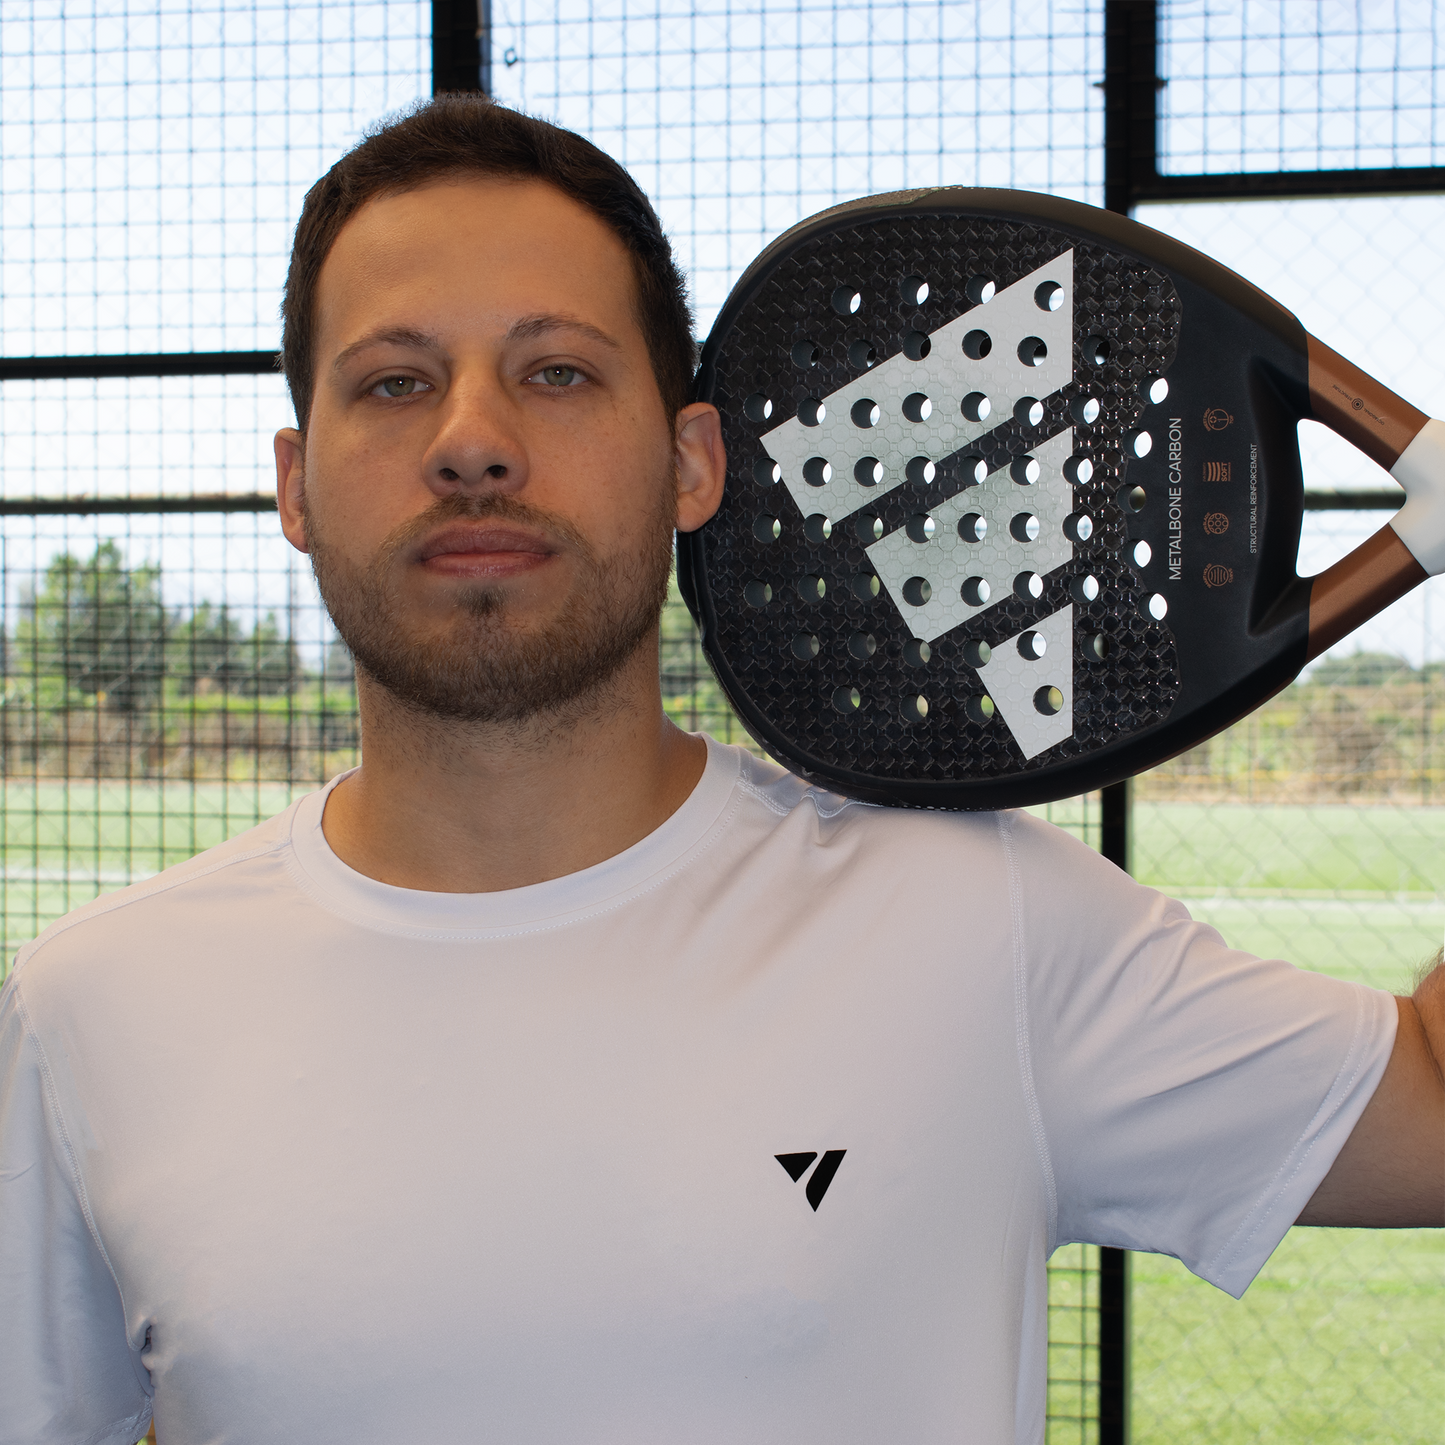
(305, 1157)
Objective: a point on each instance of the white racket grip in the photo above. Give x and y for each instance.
(1420, 523)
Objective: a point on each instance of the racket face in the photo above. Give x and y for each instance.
(1013, 499)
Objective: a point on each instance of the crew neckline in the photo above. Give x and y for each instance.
(416, 912)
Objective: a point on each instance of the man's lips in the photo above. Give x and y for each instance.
(484, 548)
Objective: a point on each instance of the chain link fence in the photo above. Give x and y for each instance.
(170, 677)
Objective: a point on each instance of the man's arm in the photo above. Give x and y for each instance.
(1391, 1172)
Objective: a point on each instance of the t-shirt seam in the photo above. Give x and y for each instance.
(82, 1194)
(162, 883)
(303, 880)
(1262, 1209)
(1022, 1032)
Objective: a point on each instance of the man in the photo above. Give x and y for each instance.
(556, 1076)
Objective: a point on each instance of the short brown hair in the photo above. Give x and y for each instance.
(458, 135)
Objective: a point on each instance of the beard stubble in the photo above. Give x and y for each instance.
(483, 666)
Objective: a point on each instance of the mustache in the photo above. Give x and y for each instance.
(490, 506)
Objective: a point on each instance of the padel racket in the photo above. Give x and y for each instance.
(1014, 497)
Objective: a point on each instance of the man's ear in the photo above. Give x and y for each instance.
(290, 447)
(702, 465)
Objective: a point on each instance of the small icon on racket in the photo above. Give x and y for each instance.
(1218, 575)
(1216, 419)
(1216, 524)
(1217, 471)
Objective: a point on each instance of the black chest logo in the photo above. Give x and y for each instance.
(822, 1176)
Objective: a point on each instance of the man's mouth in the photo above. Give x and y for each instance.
(484, 549)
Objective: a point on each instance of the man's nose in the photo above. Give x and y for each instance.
(478, 445)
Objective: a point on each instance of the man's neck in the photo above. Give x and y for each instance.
(452, 807)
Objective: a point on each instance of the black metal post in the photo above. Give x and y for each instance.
(461, 46)
(1131, 128)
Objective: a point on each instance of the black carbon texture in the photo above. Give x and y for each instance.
(1131, 305)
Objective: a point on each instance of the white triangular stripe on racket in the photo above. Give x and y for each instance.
(1031, 320)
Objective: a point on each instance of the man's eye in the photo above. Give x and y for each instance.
(559, 375)
(397, 386)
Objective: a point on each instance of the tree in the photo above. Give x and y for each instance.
(98, 625)
(211, 649)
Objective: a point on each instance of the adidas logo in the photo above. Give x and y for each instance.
(822, 1177)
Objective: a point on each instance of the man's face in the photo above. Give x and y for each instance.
(489, 481)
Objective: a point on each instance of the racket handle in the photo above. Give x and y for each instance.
(1377, 573)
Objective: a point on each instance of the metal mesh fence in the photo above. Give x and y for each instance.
(170, 678)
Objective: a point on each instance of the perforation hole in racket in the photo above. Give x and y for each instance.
(979, 708)
(1078, 471)
(1141, 554)
(976, 406)
(817, 472)
(847, 699)
(1132, 499)
(1025, 471)
(862, 355)
(1032, 646)
(1048, 701)
(766, 472)
(1028, 586)
(920, 471)
(976, 652)
(977, 344)
(817, 528)
(846, 300)
(1157, 606)
(865, 587)
(972, 470)
(1101, 647)
(862, 645)
(921, 527)
(1078, 527)
(975, 591)
(972, 527)
(1049, 296)
(916, 346)
(812, 589)
(865, 413)
(914, 290)
(758, 407)
(806, 647)
(1084, 410)
(1028, 411)
(1024, 527)
(915, 709)
(1033, 352)
(811, 411)
(767, 528)
(1096, 350)
(805, 353)
(1158, 390)
(1084, 589)
(917, 407)
(868, 529)
(917, 591)
(867, 471)
(980, 289)
(1141, 443)
(757, 594)
(916, 652)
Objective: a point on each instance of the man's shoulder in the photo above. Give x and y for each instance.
(223, 869)
(773, 790)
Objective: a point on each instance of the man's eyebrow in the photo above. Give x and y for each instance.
(532, 326)
(389, 336)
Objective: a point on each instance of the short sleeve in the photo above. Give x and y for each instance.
(1191, 1097)
(67, 1373)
